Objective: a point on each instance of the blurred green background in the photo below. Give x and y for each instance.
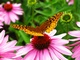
(38, 11)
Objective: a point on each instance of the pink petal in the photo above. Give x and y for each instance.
(17, 8)
(1, 27)
(8, 55)
(16, 48)
(61, 35)
(59, 55)
(24, 50)
(63, 50)
(53, 32)
(78, 58)
(8, 2)
(9, 46)
(5, 59)
(74, 44)
(6, 18)
(2, 36)
(67, 0)
(16, 5)
(60, 42)
(1, 23)
(19, 58)
(5, 40)
(13, 17)
(41, 55)
(75, 39)
(17, 12)
(54, 57)
(31, 55)
(37, 56)
(74, 33)
(46, 55)
(75, 48)
(71, 2)
(78, 24)
(76, 53)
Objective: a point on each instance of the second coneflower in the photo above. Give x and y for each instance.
(11, 11)
(47, 47)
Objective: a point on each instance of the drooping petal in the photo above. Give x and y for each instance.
(74, 33)
(78, 24)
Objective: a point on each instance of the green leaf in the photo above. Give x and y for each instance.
(25, 37)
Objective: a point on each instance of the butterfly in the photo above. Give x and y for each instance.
(47, 26)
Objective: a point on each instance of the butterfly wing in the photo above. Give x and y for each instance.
(51, 23)
(47, 26)
(28, 29)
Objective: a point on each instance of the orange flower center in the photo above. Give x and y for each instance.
(41, 42)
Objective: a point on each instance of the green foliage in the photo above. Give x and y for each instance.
(38, 11)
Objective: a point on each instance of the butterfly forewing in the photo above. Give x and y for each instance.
(53, 22)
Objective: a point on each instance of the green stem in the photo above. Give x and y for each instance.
(32, 13)
(67, 30)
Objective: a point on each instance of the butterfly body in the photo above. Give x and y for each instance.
(47, 26)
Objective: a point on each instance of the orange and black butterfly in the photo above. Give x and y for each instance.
(47, 26)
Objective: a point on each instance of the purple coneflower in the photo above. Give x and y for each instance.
(7, 48)
(70, 2)
(11, 11)
(76, 45)
(47, 47)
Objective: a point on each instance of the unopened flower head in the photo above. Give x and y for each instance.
(66, 17)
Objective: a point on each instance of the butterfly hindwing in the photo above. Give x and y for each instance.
(28, 29)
